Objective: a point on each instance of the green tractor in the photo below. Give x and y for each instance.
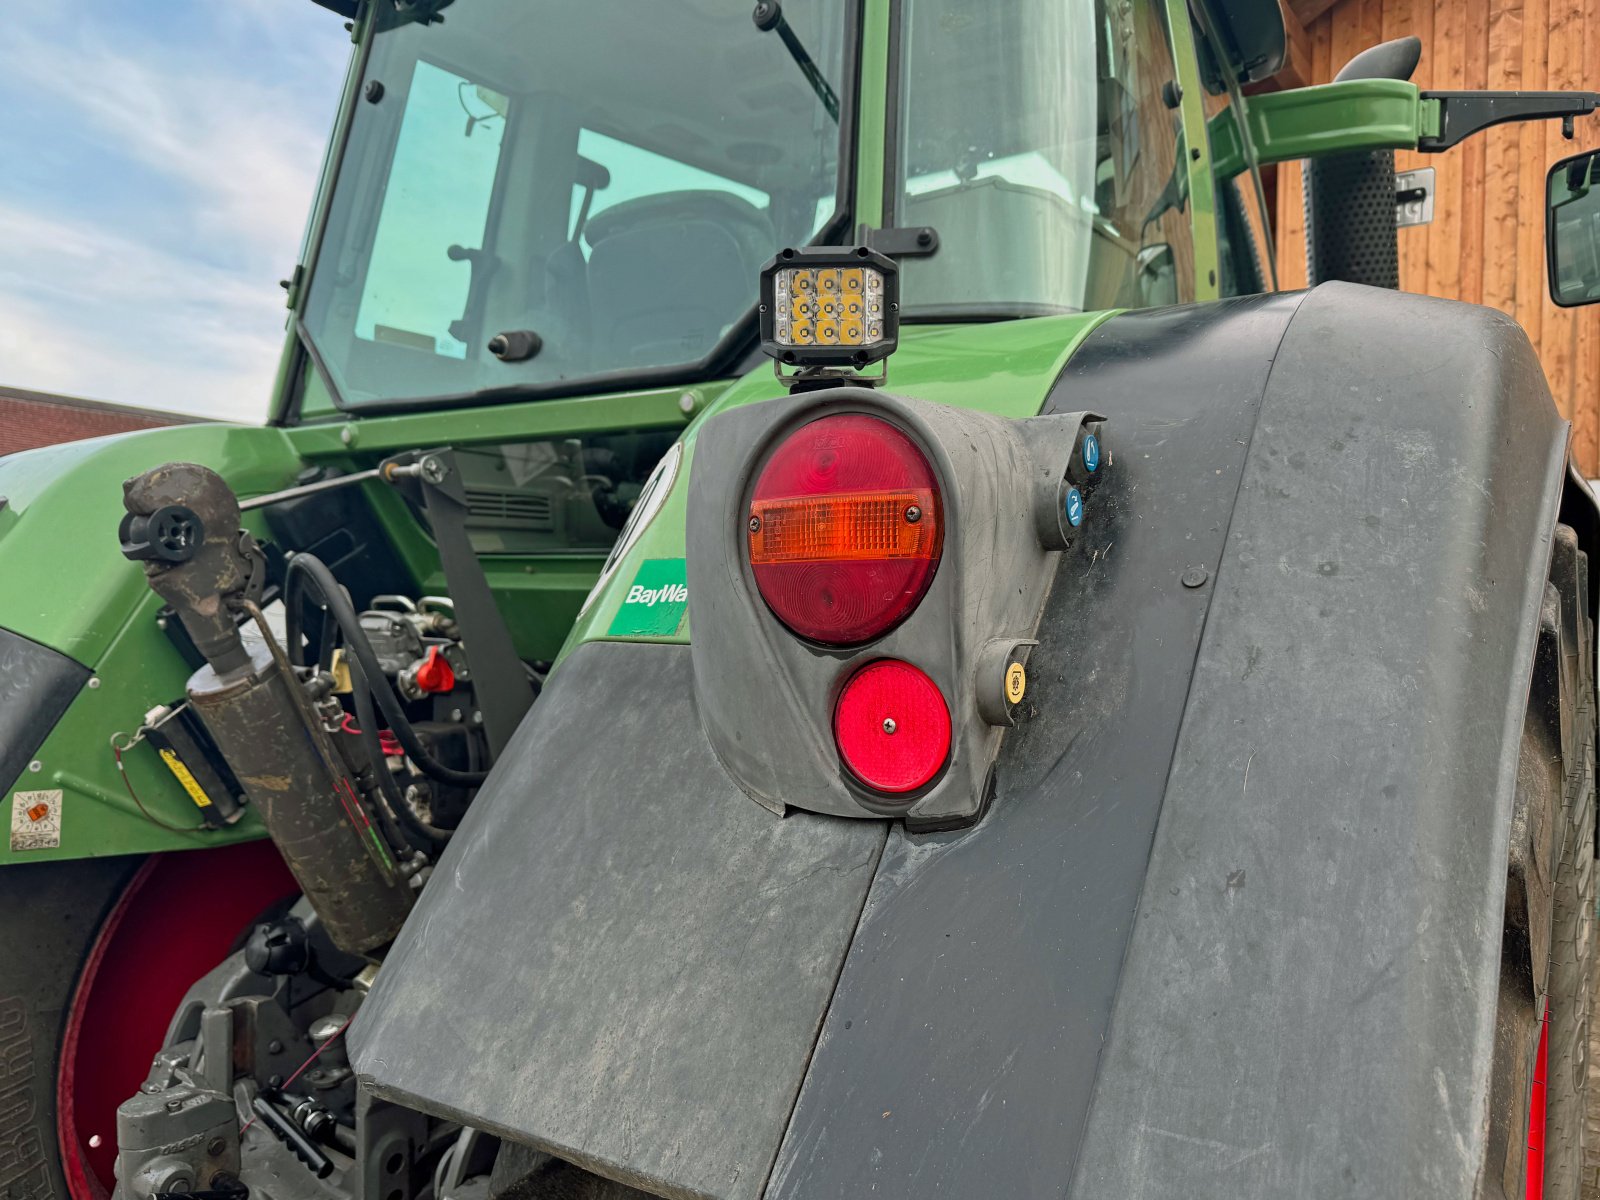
(809, 623)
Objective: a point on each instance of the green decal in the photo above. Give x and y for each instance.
(655, 604)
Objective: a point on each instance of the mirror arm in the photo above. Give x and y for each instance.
(1462, 114)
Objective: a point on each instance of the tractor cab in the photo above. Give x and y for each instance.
(537, 200)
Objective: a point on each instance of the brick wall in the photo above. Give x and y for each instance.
(31, 419)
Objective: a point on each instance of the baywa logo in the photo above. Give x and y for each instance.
(667, 593)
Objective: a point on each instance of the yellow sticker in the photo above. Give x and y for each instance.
(189, 782)
(1016, 682)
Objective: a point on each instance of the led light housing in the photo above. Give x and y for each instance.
(827, 306)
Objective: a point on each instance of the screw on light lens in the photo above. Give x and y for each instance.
(1074, 507)
(892, 727)
(818, 321)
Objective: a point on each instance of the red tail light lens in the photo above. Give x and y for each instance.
(846, 527)
(892, 727)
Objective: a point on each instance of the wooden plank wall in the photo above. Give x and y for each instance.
(1486, 241)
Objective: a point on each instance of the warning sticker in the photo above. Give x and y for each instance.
(655, 604)
(36, 820)
(185, 777)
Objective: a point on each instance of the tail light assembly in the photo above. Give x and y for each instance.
(845, 528)
(866, 577)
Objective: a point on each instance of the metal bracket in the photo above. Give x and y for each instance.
(812, 379)
(503, 690)
(1462, 114)
(900, 241)
(1413, 197)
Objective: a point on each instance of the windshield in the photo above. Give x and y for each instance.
(605, 176)
(1034, 137)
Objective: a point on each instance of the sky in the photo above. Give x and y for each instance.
(157, 162)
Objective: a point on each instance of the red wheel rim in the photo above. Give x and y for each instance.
(133, 979)
(1535, 1188)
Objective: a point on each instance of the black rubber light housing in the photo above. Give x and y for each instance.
(829, 306)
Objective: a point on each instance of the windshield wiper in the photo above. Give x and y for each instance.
(769, 16)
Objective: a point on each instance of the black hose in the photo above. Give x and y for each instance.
(417, 835)
(344, 613)
(293, 615)
(291, 623)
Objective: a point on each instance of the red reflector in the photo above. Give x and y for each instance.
(892, 727)
(846, 527)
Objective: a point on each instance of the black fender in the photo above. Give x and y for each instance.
(1309, 997)
(1233, 921)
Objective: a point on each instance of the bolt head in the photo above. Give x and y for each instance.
(755, 524)
(36, 766)
(1194, 577)
(913, 514)
(888, 725)
(686, 403)
(94, 681)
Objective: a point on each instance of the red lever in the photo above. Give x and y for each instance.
(435, 673)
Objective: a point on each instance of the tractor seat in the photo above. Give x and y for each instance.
(669, 273)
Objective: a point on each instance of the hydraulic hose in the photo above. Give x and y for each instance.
(416, 834)
(377, 685)
(292, 614)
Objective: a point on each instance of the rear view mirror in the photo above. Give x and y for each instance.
(1572, 229)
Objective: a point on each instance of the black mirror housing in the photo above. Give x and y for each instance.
(1572, 230)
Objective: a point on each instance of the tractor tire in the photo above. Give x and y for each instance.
(95, 956)
(1572, 1103)
(1591, 1126)
(50, 914)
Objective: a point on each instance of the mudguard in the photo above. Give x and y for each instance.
(1232, 924)
(36, 686)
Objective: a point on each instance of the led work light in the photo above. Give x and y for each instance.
(828, 307)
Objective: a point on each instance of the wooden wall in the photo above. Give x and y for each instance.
(1486, 241)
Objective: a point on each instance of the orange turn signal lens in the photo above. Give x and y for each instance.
(865, 525)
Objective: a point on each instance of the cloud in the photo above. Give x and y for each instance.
(172, 157)
(96, 314)
(246, 166)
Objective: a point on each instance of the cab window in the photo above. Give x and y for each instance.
(1033, 137)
